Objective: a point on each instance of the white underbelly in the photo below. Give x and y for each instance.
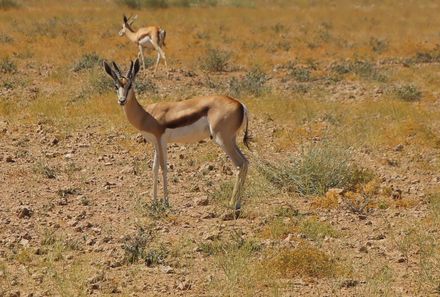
(188, 134)
(146, 42)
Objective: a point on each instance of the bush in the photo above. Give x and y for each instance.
(135, 246)
(100, 83)
(300, 74)
(7, 65)
(408, 93)
(378, 45)
(215, 60)
(6, 4)
(4, 38)
(253, 83)
(137, 4)
(305, 260)
(87, 61)
(316, 170)
(364, 69)
(145, 86)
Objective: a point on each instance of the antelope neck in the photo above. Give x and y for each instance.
(139, 118)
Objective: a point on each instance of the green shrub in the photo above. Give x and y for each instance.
(364, 69)
(137, 4)
(7, 4)
(5, 38)
(7, 65)
(300, 74)
(215, 60)
(135, 246)
(408, 93)
(378, 45)
(87, 61)
(253, 83)
(100, 83)
(145, 86)
(318, 168)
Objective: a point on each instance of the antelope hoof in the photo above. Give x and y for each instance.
(231, 215)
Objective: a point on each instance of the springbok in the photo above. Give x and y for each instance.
(146, 37)
(188, 121)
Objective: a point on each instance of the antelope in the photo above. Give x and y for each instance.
(146, 37)
(188, 121)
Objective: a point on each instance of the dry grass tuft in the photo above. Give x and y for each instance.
(306, 261)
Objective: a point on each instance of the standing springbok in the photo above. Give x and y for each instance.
(146, 37)
(188, 121)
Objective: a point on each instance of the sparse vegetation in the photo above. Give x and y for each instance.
(306, 261)
(7, 65)
(87, 61)
(318, 168)
(215, 60)
(253, 83)
(337, 98)
(135, 246)
(408, 93)
(7, 4)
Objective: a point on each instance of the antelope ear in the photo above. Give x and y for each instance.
(109, 71)
(136, 68)
(125, 19)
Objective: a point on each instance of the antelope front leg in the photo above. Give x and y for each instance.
(141, 52)
(163, 165)
(155, 174)
(157, 62)
(237, 193)
(162, 54)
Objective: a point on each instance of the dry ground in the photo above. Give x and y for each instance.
(342, 94)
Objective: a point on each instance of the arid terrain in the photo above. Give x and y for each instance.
(343, 192)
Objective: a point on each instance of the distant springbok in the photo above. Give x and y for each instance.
(151, 37)
(188, 121)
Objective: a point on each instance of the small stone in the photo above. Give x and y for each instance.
(54, 141)
(349, 283)
(183, 286)
(363, 249)
(9, 159)
(14, 293)
(167, 269)
(208, 215)
(24, 242)
(211, 236)
(401, 260)
(24, 212)
(201, 201)
(398, 148)
(378, 237)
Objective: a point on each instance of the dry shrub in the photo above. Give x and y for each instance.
(306, 261)
(277, 229)
(408, 93)
(7, 4)
(253, 83)
(318, 168)
(215, 60)
(316, 230)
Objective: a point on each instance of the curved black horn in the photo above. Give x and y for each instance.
(117, 70)
(129, 70)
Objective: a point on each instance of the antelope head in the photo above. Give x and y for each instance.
(123, 84)
(126, 25)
